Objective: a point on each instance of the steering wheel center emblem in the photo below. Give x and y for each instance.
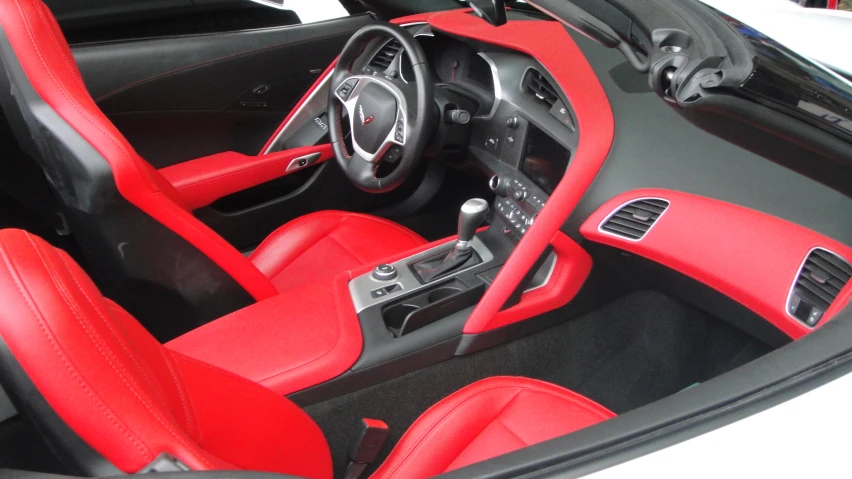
(365, 121)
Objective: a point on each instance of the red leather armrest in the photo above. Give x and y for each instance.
(300, 338)
(205, 180)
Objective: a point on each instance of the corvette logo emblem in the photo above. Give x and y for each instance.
(365, 121)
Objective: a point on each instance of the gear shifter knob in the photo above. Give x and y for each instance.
(473, 213)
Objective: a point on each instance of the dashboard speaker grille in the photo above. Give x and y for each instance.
(635, 219)
(820, 280)
(537, 85)
(384, 57)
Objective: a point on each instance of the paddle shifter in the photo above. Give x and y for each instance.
(472, 214)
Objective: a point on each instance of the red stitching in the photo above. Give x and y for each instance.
(185, 400)
(111, 327)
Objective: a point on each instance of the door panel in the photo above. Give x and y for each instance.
(183, 97)
(165, 138)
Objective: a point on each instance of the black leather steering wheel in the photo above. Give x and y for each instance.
(390, 120)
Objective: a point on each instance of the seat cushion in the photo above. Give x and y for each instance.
(486, 419)
(317, 247)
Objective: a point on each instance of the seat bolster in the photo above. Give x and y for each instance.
(489, 418)
(251, 427)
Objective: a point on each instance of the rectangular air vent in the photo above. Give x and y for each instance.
(384, 57)
(635, 219)
(537, 85)
(822, 276)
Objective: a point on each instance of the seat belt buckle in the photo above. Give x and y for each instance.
(372, 435)
(165, 462)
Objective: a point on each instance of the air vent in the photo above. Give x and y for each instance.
(820, 280)
(537, 85)
(635, 219)
(383, 59)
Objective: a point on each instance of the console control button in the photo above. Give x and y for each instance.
(535, 201)
(346, 89)
(394, 154)
(561, 113)
(387, 290)
(520, 195)
(385, 272)
(399, 133)
(492, 142)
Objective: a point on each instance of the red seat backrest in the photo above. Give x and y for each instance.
(127, 396)
(47, 61)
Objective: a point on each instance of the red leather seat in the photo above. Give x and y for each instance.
(489, 418)
(314, 247)
(130, 399)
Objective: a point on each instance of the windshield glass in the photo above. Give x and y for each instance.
(805, 88)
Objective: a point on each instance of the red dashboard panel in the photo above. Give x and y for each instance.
(204, 180)
(752, 257)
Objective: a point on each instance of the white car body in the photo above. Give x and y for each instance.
(822, 35)
(803, 437)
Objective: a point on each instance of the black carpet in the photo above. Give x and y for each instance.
(641, 348)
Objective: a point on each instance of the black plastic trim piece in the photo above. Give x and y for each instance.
(525, 282)
(398, 366)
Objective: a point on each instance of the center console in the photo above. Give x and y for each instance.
(413, 310)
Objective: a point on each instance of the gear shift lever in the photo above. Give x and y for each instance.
(472, 214)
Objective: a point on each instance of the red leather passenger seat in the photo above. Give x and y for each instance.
(489, 418)
(128, 398)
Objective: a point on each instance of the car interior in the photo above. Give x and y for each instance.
(395, 244)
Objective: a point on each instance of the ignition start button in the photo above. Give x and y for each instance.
(385, 272)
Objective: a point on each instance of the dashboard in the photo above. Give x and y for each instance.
(525, 135)
(523, 128)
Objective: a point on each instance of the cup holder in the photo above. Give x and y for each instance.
(442, 293)
(396, 315)
(427, 307)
